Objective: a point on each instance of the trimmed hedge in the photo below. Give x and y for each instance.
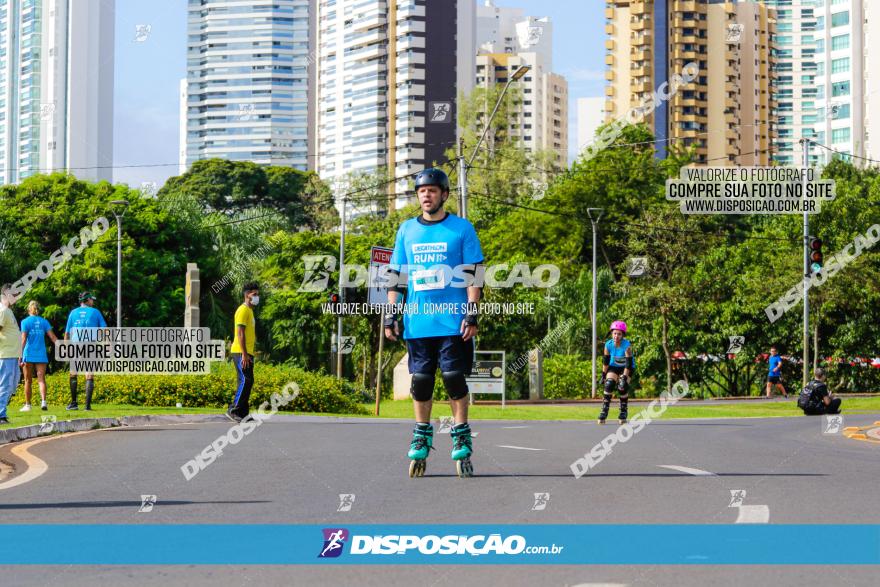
(318, 393)
(567, 377)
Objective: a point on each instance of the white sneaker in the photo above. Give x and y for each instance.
(25, 408)
(44, 406)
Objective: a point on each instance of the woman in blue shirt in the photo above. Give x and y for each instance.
(34, 330)
(616, 371)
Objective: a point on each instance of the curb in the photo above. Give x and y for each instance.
(80, 425)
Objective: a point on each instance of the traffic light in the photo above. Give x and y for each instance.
(816, 256)
(334, 298)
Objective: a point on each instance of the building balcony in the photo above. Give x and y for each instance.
(639, 8)
(641, 87)
(374, 20)
(410, 42)
(641, 25)
(410, 10)
(641, 53)
(679, 22)
(679, 38)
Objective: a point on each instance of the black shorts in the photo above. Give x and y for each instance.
(773, 379)
(450, 353)
(615, 369)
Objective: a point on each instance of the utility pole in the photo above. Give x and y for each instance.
(339, 356)
(464, 165)
(805, 143)
(119, 208)
(462, 180)
(594, 221)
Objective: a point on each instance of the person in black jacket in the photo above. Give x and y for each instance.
(815, 399)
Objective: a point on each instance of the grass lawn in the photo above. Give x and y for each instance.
(757, 408)
(403, 409)
(18, 419)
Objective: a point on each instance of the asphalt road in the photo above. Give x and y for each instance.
(292, 470)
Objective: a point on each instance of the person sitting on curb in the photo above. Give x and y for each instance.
(815, 399)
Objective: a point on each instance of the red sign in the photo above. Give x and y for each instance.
(380, 256)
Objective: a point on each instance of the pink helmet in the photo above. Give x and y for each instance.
(619, 325)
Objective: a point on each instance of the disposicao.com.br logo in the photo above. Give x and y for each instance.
(334, 540)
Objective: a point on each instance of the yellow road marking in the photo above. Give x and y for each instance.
(35, 465)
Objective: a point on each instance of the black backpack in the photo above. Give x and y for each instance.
(807, 394)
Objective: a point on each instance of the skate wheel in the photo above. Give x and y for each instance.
(601, 422)
(465, 468)
(623, 421)
(417, 468)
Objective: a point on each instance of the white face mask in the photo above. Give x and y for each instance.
(255, 300)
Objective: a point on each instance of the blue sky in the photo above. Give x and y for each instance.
(148, 74)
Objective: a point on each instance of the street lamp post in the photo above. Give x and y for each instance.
(598, 212)
(119, 208)
(464, 165)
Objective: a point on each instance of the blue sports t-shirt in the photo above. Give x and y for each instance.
(83, 317)
(429, 253)
(774, 361)
(35, 327)
(618, 353)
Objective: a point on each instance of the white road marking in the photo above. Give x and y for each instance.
(519, 447)
(753, 514)
(689, 471)
(35, 465)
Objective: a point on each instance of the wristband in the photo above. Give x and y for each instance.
(470, 317)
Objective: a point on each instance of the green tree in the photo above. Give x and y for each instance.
(233, 187)
(44, 212)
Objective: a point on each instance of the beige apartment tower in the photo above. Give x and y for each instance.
(727, 110)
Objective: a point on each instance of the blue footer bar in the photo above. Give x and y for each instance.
(268, 544)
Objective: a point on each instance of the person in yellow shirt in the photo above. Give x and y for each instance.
(242, 351)
(10, 351)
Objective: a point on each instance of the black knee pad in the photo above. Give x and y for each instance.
(422, 387)
(609, 386)
(456, 385)
(623, 386)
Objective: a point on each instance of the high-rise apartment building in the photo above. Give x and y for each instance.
(840, 77)
(508, 40)
(727, 110)
(590, 116)
(387, 78)
(872, 81)
(796, 41)
(56, 88)
(247, 82)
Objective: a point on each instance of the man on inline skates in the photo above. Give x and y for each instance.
(441, 331)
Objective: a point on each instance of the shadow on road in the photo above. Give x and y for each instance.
(109, 504)
(151, 429)
(563, 475)
(671, 423)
